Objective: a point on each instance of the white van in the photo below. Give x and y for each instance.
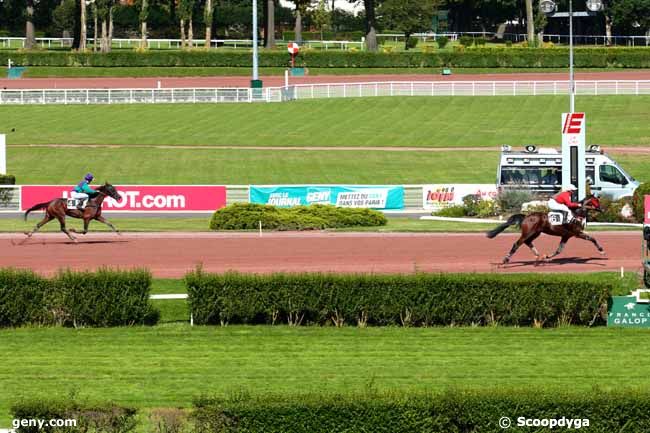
(540, 170)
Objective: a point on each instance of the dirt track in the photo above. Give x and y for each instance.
(171, 255)
(170, 82)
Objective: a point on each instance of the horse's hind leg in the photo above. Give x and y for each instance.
(64, 230)
(585, 236)
(529, 243)
(46, 219)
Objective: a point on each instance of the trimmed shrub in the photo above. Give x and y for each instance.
(452, 411)
(7, 179)
(466, 41)
(611, 211)
(511, 200)
(476, 58)
(247, 216)
(22, 298)
(102, 298)
(456, 211)
(480, 42)
(638, 200)
(411, 42)
(407, 300)
(442, 41)
(102, 417)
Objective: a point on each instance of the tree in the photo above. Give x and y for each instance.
(322, 18)
(185, 12)
(530, 23)
(64, 16)
(82, 26)
(30, 38)
(144, 15)
(630, 16)
(371, 24)
(208, 18)
(270, 24)
(301, 8)
(408, 16)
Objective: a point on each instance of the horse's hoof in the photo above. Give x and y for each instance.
(505, 261)
(602, 253)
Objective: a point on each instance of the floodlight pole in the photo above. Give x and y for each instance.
(572, 88)
(255, 62)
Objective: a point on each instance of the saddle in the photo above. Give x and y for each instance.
(558, 218)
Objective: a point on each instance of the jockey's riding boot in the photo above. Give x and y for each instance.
(80, 205)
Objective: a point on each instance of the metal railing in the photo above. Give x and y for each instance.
(318, 91)
(138, 96)
(467, 88)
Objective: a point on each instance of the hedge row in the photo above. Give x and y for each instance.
(407, 300)
(451, 412)
(470, 58)
(102, 298)
(7, 179)
(102, 417)
(325, 36)
(247, 216)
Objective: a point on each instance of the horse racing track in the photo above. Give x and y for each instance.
(171, 255)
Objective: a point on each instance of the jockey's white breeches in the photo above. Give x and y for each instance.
(553, 205)
(79, 195)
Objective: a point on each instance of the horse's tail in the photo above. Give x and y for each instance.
(516, 219)
(36, 207)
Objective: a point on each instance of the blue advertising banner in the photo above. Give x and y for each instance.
(372, 197)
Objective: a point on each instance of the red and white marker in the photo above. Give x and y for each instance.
(293, 49)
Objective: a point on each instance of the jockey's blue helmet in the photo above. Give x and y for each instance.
(89, 177)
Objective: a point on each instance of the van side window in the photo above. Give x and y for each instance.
(590, 175)
(609, 173)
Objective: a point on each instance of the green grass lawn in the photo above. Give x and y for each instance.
(396, 121)
(168, 365)
(78, 71)
(141, 165)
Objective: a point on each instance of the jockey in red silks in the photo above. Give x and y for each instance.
(562, 202)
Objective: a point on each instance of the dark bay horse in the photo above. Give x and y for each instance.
(58, 209)
(536, 223)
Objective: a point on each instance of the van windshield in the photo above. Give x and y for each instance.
(550, 176)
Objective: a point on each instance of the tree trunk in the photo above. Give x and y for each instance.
(84, 30)
(143, 25)
(30, 39)
(109, 43)
(530, 23)
(104, 40)
(208, 23)
(95, 29)
(371, 32)
(190, 34)
(182, 33)
(270, 24)
(298, 27)
(608, 29)
(406, 41)
(332, 5)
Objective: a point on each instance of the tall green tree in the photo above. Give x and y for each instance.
(143, 17)
(371, 24)
(208, 19)
(300, 10)
(407, 16)
(322, 18)
(269, 33)
(30, 37)
(185, 12)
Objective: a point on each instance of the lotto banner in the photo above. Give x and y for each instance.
(372, 197)
(438, 196)
(150, 198)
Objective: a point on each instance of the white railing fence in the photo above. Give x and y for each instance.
(320, 91)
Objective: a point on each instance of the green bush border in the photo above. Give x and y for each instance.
(406, 300)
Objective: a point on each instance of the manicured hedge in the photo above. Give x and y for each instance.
(451, 412)
(7, 179)
(408, 300)
(101, 417)
(468, 58)
(638, 201)
(326, 36)
(102, 298)
(247, 216)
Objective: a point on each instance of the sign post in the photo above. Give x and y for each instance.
(3, 154)
(573, 152)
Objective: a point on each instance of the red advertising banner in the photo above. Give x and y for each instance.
(150, 198)
(646, 209)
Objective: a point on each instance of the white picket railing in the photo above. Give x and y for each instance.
(318, 91)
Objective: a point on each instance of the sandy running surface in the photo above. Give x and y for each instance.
(273, 81)
(171, 255)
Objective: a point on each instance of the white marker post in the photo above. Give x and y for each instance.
(3, 154)
(573, 152)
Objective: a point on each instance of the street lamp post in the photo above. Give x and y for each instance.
(256, 83)
(573, 126)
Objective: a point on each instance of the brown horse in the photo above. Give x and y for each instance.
(536, 223)
(58, 209)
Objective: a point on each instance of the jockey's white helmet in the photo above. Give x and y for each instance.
(570, 188)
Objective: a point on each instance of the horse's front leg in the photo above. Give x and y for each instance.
(101, 219)
(585, 236)
(559, 247)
